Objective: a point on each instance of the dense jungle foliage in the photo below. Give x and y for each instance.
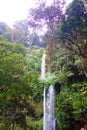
(21, 88)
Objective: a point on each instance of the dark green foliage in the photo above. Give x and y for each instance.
(71, 107)
(13, 88)
(74, 32)
(21, 88)
(74, 18)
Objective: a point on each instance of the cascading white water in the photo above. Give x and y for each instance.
(49, 115)
(44, 110)
(49, 121)
(43, 67)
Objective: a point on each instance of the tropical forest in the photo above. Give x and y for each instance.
(60, 33)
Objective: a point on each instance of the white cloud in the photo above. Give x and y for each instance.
(13, 10)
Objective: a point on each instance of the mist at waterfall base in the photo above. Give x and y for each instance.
(49, 120)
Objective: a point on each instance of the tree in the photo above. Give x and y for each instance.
(5, 31)
(20, 89)
(71, 109)
(46, 15)
(85, 5)
(36, 40)
(74, 32)
(20, 32)
(13, 87)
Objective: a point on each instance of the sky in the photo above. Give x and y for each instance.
(16, 10)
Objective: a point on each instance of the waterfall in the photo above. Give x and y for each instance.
(44, 111)
(49, 122)
(43, 67)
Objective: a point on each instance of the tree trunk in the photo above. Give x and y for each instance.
(85, 72)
